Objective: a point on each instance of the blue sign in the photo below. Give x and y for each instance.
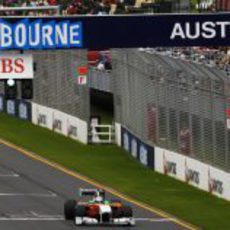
(39, 34)
(24, 110)
(11, 107)
(2, 103)
(120, 31)
(139, 150)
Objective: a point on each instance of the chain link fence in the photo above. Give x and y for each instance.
(55, 81)
(175, 104)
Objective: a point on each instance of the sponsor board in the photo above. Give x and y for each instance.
(39, 34)
(72, 131)
(19, 108)
(78, 129)
(57, 125)
(215, 185)
(42, 119)
(24, 110)
(138, 149)
(78, 31)
(169, 163)
(60, 122)
(191, 175)
(193, 172)
(16, 66)
(219, 183)
(11, 107)
(42, 116)
(2, 103)
(170, 167)
(196, 173)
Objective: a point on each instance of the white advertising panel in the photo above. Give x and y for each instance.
(193, 172)
(196, 173)
(42, 116)
(170, 163)
(77, 129)
(60, 122)
(219, 183)
(16, 66)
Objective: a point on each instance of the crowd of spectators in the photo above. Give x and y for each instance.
(218, 57)
(214, 57)
(32, 3)
(70, 7)
(26, 3)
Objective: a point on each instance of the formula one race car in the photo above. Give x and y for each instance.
(98, 210)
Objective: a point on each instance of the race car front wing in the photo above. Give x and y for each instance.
(116, 221)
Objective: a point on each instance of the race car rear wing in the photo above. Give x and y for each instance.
(91, 192)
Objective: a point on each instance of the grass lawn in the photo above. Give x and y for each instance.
(112, 166)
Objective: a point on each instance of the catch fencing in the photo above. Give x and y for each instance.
(177, 105)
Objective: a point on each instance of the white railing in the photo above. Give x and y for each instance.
(101, 134)
(34, 8)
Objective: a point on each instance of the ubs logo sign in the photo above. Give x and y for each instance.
(57, 125)
(169, 166)
(191, 175)
(214, 185)
(42, 119)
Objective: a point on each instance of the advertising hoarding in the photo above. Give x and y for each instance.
(138, 149)
(16, 66)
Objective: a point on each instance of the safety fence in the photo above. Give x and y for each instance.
(174, 104)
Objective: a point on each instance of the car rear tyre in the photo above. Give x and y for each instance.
(69, 209)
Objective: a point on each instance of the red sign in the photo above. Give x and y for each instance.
(15, 66)
(227, 112)
(82, 70)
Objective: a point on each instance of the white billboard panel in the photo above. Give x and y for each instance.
(16, 66)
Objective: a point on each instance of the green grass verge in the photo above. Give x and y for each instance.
(113, 167)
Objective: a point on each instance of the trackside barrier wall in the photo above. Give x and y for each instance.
(118, 133)
(52, 119)
(42, 116)
(138, 149)
(18, 108)
(193, 172)
(60, 122)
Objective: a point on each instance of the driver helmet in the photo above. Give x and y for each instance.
(98, 199)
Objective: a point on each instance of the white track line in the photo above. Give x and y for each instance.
(10, 175)
(32, 218)
(49, 194)
(35, 214)
(154, 219)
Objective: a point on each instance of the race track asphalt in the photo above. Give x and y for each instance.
(32, 195)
